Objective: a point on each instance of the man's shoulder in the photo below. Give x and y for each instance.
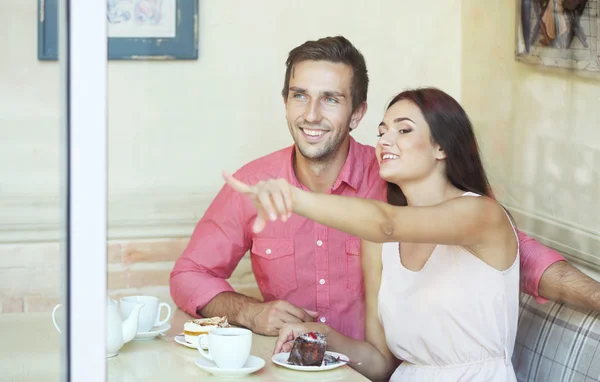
(366, 153)
(367, 168)
(368, 159)
(267, 166)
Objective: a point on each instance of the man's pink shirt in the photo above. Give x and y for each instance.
(308, 264)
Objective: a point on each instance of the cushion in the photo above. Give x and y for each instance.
(556, 342)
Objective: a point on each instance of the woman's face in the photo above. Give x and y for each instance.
(405, 150)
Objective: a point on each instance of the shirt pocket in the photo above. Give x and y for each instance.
(354, 274)
(274, 265)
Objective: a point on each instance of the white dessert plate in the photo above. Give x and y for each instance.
(252, 364)
(145, 336)
(180, 339)
(281, 360)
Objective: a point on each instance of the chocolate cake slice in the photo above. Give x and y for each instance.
(308, 350)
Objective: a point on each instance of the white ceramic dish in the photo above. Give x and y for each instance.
(281, 360)
(252, 365)
(180, 339)
(145, 336)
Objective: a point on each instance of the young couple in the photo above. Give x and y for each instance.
(435, 280)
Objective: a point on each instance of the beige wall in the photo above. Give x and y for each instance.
(30, 279)
(538, 127)
(173, 126)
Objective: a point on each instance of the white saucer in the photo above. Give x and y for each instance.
(281, 360)
(145, 336)
(252, 364)
(180, 339)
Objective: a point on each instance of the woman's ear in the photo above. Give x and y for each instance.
(440, 153)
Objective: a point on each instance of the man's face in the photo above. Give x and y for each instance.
(319, 107)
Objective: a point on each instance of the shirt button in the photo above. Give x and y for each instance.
(319, 243)
(322, 281)
(268, 251)
(322, 319)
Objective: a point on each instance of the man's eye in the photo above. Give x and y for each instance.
(331, 100)
(299, 96)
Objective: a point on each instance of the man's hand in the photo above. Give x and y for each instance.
(268, 317)
(289, 332)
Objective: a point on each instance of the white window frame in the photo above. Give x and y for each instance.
(83, 62)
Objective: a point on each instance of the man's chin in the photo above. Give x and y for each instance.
(311, 154)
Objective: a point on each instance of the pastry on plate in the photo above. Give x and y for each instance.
(194, 328)
(308, 349)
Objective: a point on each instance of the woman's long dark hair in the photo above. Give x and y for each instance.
(451, 129)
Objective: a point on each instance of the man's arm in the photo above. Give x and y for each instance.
(198, 280)
(546, 275)
(261, 317)
(232, 305)
(562, 282)
(217, 245)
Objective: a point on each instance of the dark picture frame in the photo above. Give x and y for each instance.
(184, 45)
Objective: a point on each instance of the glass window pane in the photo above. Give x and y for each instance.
(32, 188)
(53, 211)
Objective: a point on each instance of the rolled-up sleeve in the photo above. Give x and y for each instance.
(535, 260)
(217, 245)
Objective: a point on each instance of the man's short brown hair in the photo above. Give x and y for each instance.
(333, 49)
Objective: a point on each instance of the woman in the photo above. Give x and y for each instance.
(440, 261)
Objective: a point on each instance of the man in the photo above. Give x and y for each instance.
(306, 271)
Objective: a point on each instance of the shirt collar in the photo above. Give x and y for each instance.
(349, 174)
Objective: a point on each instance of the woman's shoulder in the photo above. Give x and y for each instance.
(469, 193)
(483, 208)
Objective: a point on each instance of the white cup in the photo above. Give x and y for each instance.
(229, 348)
(54, 317)
(150, 313)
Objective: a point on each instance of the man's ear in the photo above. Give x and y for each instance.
(357, 115)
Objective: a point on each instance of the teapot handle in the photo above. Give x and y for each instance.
(203, 352)
(54, 317)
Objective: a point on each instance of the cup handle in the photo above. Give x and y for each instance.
(203, 352)
(160, 322)
(54, 317)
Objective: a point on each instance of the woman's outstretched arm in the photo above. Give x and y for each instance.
(459, 221)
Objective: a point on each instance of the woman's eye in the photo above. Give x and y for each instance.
(379, 135)
(404, 131)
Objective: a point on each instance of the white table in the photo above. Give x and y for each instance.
(29, 351)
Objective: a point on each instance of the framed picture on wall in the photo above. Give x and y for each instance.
(137, 29)
(559, 33)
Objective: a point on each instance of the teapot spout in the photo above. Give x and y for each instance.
(130, 325)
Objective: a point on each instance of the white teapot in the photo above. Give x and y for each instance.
(118, 332)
